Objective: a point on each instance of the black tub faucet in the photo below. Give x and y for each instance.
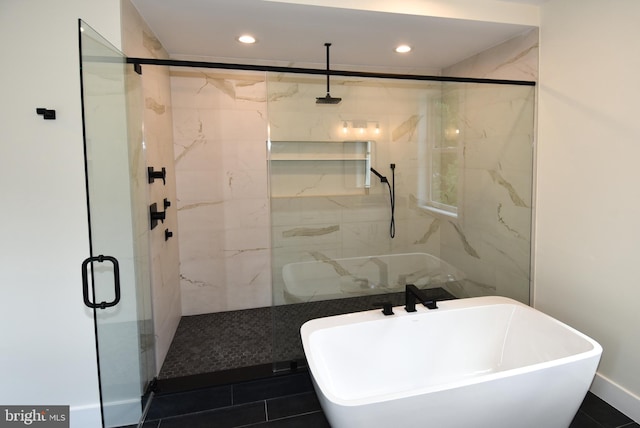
(413, 293)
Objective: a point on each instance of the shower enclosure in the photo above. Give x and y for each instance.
(455, 193)
(293, 210)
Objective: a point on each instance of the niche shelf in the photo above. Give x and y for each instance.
(320, 168)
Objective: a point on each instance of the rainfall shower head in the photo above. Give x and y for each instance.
(328, 99)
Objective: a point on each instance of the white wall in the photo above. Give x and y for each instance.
(587, 229)
(47, 348)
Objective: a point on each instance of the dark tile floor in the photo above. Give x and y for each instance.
(228, 340)
(596, 413)
(289, 401)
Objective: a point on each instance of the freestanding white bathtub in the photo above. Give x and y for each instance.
(485, 362)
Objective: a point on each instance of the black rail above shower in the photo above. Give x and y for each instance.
(300, 70)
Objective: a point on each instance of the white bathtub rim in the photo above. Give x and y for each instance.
(451, 305)
(380, 398)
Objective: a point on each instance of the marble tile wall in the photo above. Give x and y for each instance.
(220, 134)
(491, 240)
(335, 225)
(139, 41)
(223, 119)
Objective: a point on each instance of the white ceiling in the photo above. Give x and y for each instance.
(295, 34)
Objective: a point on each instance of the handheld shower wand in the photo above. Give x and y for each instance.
(392, 195)
(382, 178)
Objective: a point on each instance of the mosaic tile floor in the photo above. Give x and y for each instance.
(228, 340)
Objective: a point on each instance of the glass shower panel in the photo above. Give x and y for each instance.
(490, 238)
(119, 225)
(456, 159)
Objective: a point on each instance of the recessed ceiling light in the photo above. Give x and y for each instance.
(247, 39)
(403, 49)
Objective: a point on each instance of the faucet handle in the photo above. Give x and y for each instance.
(431, 304)
(387, 307)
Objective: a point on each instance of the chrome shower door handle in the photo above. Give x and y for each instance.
(85, 282)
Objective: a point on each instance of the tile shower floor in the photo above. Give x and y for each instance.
(230, 340)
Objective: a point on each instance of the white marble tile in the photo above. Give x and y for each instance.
(474, 269)
(247, 213)
(237, 241)
(507, 256)
(506, 151)
(516, 59)
(249, 280)
(138, 41)
(244, 184)
(198, 155)
(257, 295)
(209, 89)
(513, 285)
(371, 208)
(197, 299)
(306, 236)
(201, 235)
(200, 186)
(248, 266)
(370, 237)
(231, 112)
(187, 123)
(252, 155)
(234, 125)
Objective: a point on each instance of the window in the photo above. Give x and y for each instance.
(440, 157)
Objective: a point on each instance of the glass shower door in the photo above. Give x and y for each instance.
(116, 276)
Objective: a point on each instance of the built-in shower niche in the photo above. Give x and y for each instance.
(320, 168)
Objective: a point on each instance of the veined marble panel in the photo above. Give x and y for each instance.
(373, 207)
(368, 237)
(305, 211)
(248, 279)
(242, 183)
(217, 90)
(247, 213)
(481, 122)
(352, 225)
(234, 125)
(509, 151)
(198, 155)
(516, 59)
(196, 187)
(220, 155)
(307, 236)
(139, 41)
(513, 285)
(198, 299)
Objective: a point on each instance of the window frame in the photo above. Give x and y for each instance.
(434, 133)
